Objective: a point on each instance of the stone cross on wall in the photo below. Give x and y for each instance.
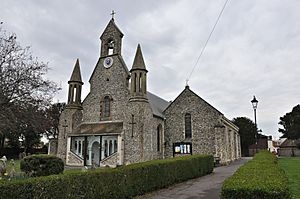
(132, 124)
(65, 126)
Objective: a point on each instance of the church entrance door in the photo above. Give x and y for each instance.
(96, 153)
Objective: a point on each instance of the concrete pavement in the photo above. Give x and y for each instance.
(206, 187)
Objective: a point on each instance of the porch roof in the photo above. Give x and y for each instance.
(98, 128)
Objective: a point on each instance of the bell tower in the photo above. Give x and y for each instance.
(75, 87)
(111, 40)
(138, 89)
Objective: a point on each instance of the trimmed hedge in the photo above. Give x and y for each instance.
(42, 165)
(122, 182)
(260, 178)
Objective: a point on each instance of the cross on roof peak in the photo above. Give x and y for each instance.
(113, 14)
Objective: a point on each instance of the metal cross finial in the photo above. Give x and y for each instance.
(113, 14)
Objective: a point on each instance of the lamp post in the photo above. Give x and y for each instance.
(254, 105)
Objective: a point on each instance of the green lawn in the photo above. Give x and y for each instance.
(292, 169)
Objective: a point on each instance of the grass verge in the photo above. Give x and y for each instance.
(291, 166)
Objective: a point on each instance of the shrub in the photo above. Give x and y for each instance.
(42, 165)
(260, 178)
(122, 182)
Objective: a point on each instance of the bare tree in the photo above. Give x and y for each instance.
(22, 85)
(52, 117)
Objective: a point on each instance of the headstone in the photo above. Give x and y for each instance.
(52, 148)
(3, 165)
(12, 172)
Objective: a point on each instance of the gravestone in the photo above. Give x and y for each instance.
(3, 165)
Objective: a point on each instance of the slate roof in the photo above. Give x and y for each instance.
(289, 143)
(112, 23)
(138, 62)
(76, 74)
(158, 105)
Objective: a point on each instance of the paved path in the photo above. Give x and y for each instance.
(207, 187)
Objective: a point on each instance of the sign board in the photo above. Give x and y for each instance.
(182, 148)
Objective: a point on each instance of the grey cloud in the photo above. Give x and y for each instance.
(254, 49)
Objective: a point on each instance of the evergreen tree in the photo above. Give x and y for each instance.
(291, 124)
(247, 132)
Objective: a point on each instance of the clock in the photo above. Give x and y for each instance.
(108, 61)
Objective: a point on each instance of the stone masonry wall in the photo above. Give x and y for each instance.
(110, 82)
(74, 160)
(138, 148)
(204, 119)
(110, 161)
(66, 124)
(155, 123)
(220, 144)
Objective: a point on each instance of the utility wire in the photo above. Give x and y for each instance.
(209, 36)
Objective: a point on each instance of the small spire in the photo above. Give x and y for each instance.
(138, 62)
(76, 75)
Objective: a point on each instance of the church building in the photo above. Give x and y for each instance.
(120, 122)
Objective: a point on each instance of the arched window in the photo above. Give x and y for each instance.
(110, 147)
(79, 147)
(105, 149)
(135, 82)
(75, 145)
(188, 125)
(106, 112)
(158, 130)
(115, 146)
(74, 93)
(111, 46)
(140, 82)
(144, 87)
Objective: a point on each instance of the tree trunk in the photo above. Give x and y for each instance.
(2, 140)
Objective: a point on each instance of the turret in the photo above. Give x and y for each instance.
(75, 87)
(138, 89)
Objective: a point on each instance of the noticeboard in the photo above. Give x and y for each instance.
(182, 148)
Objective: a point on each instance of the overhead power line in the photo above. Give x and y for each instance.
(209, 36)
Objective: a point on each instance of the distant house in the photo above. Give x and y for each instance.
(262, 144)
(289, 148)
(271, 145)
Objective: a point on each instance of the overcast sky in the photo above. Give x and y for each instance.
(255, 49)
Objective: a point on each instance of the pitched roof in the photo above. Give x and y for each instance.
(112, 24)
(138, 62)
(290, 143)
(158, 105)
(229, 122)
(187, 88)
(76, 74)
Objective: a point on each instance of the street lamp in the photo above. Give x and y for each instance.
(254, 105)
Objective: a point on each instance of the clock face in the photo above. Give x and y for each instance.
(108, 61)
